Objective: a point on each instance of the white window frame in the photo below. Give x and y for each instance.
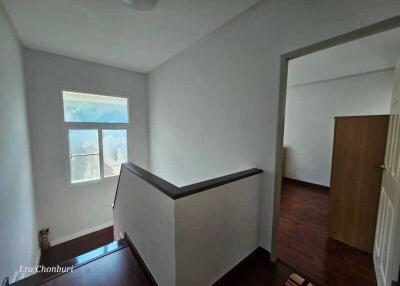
(92, 126)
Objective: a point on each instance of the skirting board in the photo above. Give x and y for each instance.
(19, 276)
(38, 256)
(15, 277)
(313, 185)
(5, 282)
(80, 233)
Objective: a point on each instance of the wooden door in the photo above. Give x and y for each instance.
(358, 153)
(387, 239)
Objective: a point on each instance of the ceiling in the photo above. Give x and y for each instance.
(373, 53)
(111, 33)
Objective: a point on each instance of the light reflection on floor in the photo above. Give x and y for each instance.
(97, 252)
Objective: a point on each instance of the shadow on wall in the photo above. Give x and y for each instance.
(288, 159)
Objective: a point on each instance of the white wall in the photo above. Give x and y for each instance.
(309, 119)
(18, 227)
(213, 107)
(193, 240)
(215, 230)
(73, 211)
(148, 216)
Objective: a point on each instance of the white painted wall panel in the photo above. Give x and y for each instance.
(18, 223)
(193, 240)
(148, 216)
(215, 230)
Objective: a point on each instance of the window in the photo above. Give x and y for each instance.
(97, 135)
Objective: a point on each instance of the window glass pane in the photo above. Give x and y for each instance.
(84, 155)
(85, 168)
(83, 141)
(82, 107)
(115, 151)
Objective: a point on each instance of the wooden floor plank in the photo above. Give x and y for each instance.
(303, 245)
(119, 268)
(303, 242)
(257, 271)
(75, 247)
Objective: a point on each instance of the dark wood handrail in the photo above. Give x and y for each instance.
(167, 188)
(216, 182)
(175, 192)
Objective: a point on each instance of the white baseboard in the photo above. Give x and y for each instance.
(15, 277)
(80, 233)
(21, 275)
(18, 276)
(38, 256)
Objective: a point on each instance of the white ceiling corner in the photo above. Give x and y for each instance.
(373, 53)
(109, 32)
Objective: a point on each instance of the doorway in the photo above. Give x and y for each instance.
(304, 197)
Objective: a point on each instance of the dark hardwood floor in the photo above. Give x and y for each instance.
(122, 268)
(303, 245)
(303, 242)
(73, 248)
(258, 270)
(119, 268)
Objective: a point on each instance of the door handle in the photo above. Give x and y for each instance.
(381, 167)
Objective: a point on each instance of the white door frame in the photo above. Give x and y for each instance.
(376, 28)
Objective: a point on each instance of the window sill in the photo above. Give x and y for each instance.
(93, 182)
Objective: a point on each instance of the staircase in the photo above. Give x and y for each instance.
(41, 278)
(162, 230)
(114, 263)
